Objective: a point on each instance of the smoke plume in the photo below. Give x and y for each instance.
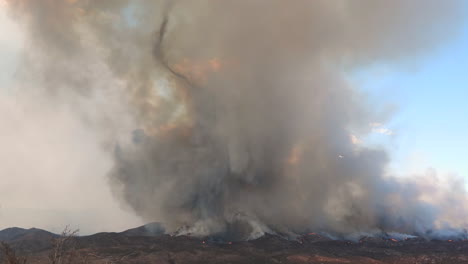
(235, 118)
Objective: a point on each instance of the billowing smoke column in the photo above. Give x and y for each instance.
(239, 113)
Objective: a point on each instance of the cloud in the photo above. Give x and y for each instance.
(380, 129)
(355, 140)
(375, 124)
(384, 131)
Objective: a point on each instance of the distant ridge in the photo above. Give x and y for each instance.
(16, 233)
(27, 240)
(151, 229)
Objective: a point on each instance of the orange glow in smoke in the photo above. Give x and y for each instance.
(198, 71)
(295, 155)
(215, 64)
(178, 130)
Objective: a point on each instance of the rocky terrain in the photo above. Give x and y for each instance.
(143, 245)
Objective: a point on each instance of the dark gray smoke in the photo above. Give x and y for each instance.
(242, 116)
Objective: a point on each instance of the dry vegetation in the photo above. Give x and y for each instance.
(63, 250)
(135, 247)
(9, 255)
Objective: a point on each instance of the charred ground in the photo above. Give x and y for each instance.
(140, 246)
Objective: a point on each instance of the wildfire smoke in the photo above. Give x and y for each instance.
(225, 97)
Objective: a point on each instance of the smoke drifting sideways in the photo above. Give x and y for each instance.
(53, 167)
(234, 118)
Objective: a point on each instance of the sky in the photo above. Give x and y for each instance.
(429, 104)
(427, 128)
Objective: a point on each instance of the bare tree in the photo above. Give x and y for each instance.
(9, 255)
(63, 248)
